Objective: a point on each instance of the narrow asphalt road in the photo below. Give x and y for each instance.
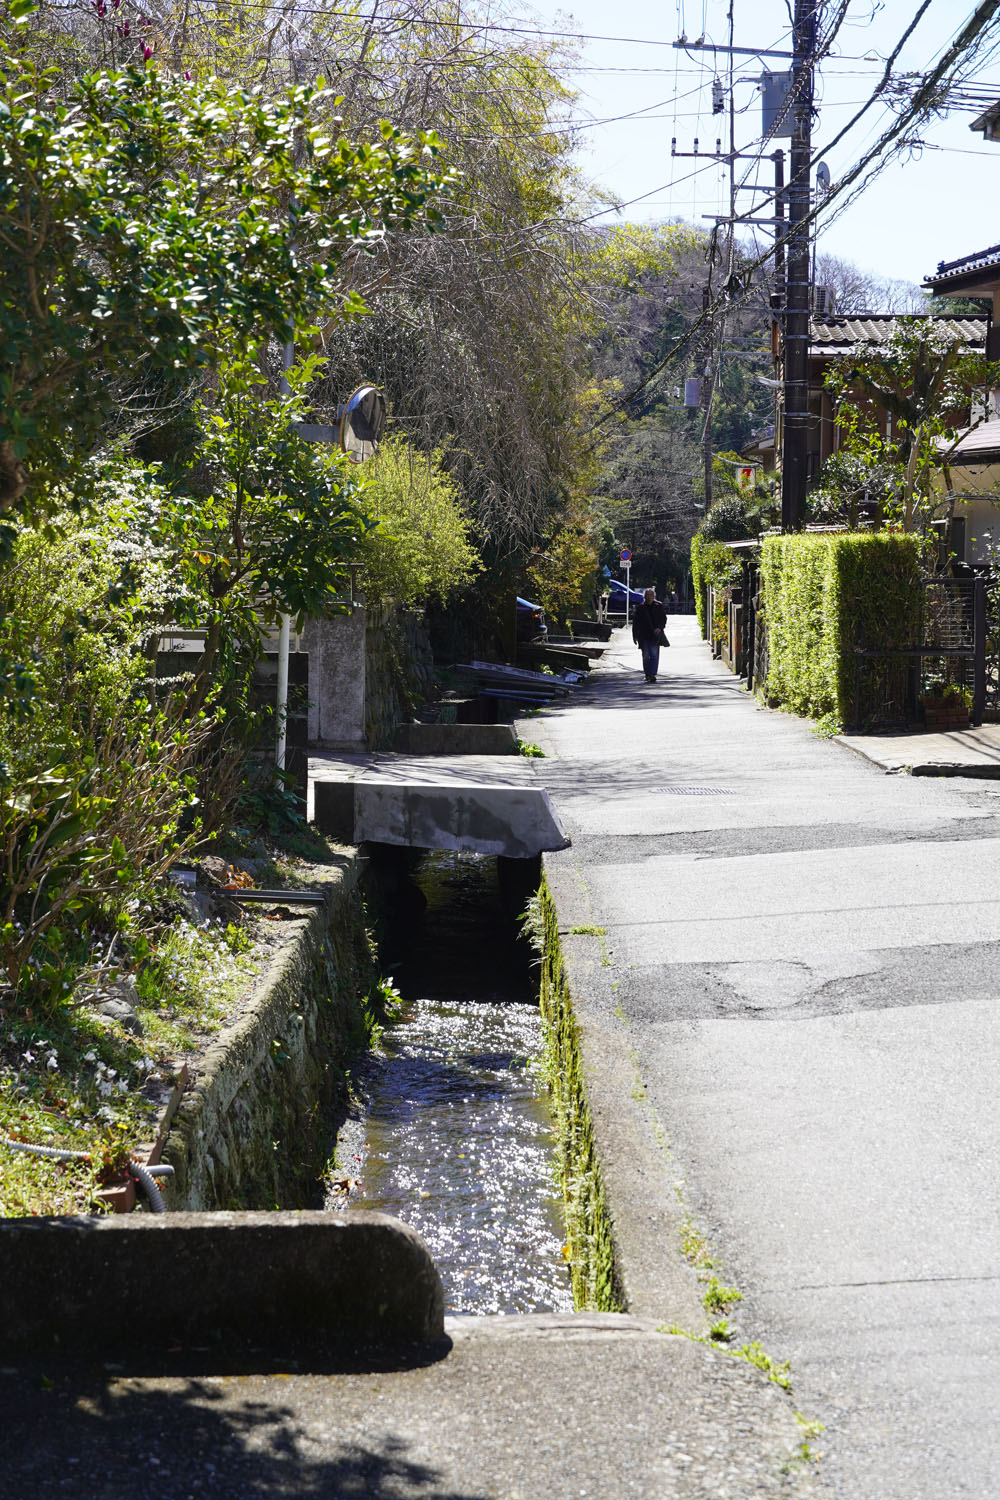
(802, 953)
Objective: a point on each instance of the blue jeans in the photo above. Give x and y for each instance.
(650, 658)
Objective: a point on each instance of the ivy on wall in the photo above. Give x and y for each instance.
(711, 562)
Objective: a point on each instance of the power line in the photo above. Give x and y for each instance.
(921, 100)
(475, 27)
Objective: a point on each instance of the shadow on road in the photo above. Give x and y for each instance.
(108, 1434)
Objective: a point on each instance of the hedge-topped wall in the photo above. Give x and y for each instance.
(825, 597)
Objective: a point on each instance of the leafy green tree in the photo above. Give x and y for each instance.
(925, 380)
(563, 570)
(419, 545)
(150, 218)
(260, 523)
(728, 520)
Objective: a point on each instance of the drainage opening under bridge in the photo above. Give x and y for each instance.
(453, 1133)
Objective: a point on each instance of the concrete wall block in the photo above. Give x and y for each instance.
(337, 676)
(139, 1281)
(333, 809)
(455, 739)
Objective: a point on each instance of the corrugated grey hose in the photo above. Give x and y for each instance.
(54, 1153)
(144, 1176)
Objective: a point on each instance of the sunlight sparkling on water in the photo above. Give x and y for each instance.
(460, 1146)
(460, 1142)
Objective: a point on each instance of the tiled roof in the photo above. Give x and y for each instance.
(844, 335)
(979, 260)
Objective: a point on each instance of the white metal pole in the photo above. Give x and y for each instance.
(284, 635)
(285, 631)
(628, 596)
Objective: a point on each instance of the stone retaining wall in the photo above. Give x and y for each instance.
(399, 670)
(253, 1131)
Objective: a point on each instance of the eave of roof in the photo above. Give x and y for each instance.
(976, 445)
(967, 269)
(847, 334)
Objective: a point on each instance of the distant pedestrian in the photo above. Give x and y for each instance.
(649, 632)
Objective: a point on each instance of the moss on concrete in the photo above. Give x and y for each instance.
(254, 1130)
(591, 1246)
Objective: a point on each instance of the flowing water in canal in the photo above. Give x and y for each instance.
(458, 1140)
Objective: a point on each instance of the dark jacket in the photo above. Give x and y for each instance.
(647, 620)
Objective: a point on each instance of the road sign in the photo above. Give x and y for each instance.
(626, 555)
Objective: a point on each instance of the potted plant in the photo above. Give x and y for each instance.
(946, 706)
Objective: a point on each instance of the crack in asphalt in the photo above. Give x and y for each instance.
(833, 1286)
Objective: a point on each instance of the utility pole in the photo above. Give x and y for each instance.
(707, 390)
(796, 339)
(778, 296)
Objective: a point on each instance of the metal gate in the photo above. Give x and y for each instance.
(991, 648)
(959, 643)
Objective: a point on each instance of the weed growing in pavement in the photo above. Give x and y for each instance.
(717, 1297)
(531, 750)
(694, 1246)
(805, 1453)
(720, 1332)
(590, 931)
(755, 1354)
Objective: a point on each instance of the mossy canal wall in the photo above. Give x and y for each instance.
(253, 1130)
(596, 1284)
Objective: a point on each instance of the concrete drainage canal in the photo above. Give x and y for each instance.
(453, 1132)
(441, 1196)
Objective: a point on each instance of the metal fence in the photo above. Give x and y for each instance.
(952, 648)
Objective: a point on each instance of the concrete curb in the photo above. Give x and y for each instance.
(454, 739)
(931, 754)
(954, 768)
(96, 1284)
(973, 770)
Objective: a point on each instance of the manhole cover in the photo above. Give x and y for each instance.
(694, 791)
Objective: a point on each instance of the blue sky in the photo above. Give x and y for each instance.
(941, 203)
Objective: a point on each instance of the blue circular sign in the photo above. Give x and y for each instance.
(626, 555)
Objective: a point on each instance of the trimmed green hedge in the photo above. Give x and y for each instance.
(711, 562)
(826, 596)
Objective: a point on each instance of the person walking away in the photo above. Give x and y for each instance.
(648, 632)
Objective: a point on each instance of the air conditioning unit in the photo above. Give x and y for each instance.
(822, 301)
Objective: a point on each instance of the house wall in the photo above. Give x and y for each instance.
(982, 516)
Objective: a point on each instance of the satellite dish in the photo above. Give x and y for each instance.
(823, 178)
(361, 422)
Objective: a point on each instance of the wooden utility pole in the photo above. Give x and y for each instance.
(796, 339)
